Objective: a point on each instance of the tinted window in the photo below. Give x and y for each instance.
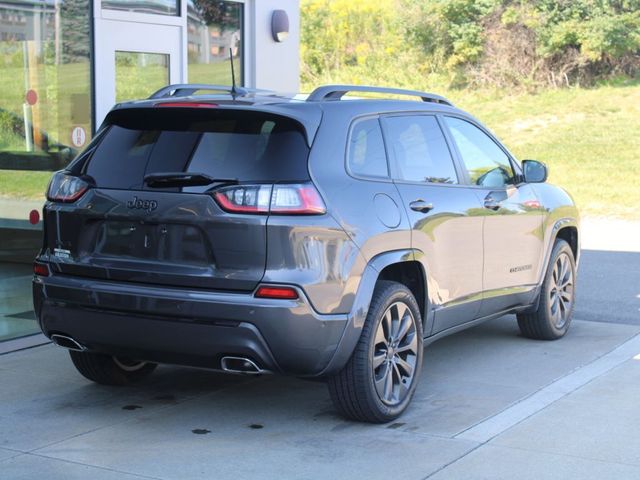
(366, 149)
(248, 146)
(420, 150)
(486, 163)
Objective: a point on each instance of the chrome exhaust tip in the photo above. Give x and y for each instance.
(67, 342)
(240, 365)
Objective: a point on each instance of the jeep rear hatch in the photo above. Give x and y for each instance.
(178, 196)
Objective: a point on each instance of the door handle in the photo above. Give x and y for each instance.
(421, 206)
(491, 203)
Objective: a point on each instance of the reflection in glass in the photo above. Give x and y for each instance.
(138, 75)
(159, 7)
(420, 150)
(485, 161)
(214, 29)
(366, 149)
(45, 97)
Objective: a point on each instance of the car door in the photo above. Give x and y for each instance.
(445, 227)
(513, 235)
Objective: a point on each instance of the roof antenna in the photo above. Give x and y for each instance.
(234, 92)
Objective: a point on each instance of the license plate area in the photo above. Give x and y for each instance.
(167, 243)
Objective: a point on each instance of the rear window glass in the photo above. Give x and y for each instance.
(242, 145)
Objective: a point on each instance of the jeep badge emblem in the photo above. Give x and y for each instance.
(138, 203)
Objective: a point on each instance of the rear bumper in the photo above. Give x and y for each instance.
(189, 327)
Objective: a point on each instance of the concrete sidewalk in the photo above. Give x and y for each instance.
(490, 404)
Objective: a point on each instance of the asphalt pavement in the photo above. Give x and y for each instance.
(490, 405)
(609, 273)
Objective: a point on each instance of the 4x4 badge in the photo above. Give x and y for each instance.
(138, 203)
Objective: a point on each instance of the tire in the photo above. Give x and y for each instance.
(108, 370)
(353, 390)
(553, 316)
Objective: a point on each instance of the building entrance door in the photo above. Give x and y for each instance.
(134, 59)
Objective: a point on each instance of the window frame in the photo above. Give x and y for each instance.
(393, 168)
(358, 176)
(518, 178)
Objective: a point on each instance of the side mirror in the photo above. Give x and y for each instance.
(534, 171)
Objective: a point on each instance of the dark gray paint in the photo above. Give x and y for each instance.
(197, 314)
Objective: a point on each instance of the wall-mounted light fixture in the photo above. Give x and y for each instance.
(279, 25)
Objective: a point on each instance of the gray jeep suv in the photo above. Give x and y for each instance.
(248, 232)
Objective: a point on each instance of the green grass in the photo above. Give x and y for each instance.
(589, 139)
(53, 111)
(23, 184)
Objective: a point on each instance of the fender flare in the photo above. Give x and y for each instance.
(557, 226)
(360, 308)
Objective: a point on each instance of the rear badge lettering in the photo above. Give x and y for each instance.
(139, 204)
(62, 253)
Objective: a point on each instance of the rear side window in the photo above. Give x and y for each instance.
(243, 145)
(420, 150)
(366, 153)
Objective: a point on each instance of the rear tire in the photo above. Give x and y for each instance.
(553, 316)
(379, 380)
(108, 370)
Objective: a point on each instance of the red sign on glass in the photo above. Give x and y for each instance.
(31, 97)
(78, 137)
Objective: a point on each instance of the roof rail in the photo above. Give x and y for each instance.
(187, 89)
(336, 92)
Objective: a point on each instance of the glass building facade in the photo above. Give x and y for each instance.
(53, 94)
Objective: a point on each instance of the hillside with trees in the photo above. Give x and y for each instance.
(472, 43)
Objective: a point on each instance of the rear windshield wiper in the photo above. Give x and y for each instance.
(184, 179)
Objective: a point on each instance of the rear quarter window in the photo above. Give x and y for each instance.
(366, 154)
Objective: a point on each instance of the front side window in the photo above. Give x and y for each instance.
(366, 149)
(420, 150)
(486, 163)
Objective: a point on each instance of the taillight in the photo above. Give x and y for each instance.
(282, 293)
(281, 199)
(296, 199)
(245, 198)
(66, 188)
(40, 269)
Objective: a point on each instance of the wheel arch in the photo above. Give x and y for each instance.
(569, 233)
(566, 229)
(394, 265)
(409, 273)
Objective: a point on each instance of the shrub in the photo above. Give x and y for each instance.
(486, 42)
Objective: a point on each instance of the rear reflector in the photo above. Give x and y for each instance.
(40, 269)
(287, 293)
